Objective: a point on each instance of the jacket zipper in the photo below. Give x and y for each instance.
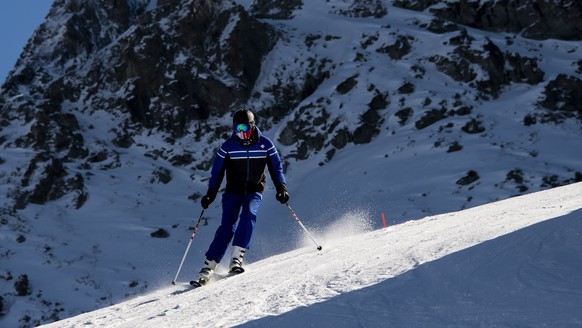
(248, 171)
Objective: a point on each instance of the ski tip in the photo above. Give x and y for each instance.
(237, 270)
(319, 248)
(173, 282)
(195, 283)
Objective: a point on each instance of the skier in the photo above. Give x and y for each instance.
(243, 158)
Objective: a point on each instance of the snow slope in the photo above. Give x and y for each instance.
(103, 253)
(511, 263)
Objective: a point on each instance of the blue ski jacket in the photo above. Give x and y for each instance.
(244, 166)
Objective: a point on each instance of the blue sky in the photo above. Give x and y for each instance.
(18, 20)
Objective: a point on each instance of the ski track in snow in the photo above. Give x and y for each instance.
(277, 290)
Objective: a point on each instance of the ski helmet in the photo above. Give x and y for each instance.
(244, 122)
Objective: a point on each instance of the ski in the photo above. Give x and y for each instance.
(216, 277)
(236, 270)
(196, 283)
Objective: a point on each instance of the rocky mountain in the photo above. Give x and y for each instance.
(160, 79)
(164, 66)
(158, 68)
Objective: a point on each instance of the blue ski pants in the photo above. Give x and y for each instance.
(233, 206)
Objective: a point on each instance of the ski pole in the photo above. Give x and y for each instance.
(302, 226)
(188, 248)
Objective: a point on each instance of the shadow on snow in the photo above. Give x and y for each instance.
(531, 277)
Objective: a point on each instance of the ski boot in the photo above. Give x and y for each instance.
(238, 253)
(205, 273)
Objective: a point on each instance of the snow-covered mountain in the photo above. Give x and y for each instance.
(111, 117)
(513, 263)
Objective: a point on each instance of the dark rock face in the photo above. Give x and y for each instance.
(469, 178)
(397, 50)
(161, 61)
(502, 68)
(21, 286)
(537, 19)
(365, 8)
(563, 96)
(275, 9)
(371, 120)
(163, 68)
(157, 69)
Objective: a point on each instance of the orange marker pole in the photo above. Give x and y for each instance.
(383, 220)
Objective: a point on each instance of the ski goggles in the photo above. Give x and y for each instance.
(243, 131)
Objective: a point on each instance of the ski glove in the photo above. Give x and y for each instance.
(208, 198)
(282, 194)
